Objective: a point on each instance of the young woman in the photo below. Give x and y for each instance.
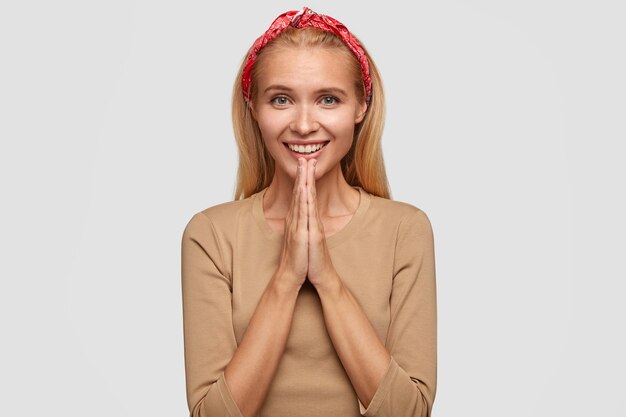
(313, 293)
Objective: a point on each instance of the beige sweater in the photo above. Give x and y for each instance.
(384, 255)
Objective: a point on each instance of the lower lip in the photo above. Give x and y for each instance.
(307, 156)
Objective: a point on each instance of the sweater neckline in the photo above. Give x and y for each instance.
(336, 238)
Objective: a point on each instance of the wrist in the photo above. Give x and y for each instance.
(284, 285)
(331, 287)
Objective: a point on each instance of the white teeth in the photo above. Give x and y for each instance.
(306, 149)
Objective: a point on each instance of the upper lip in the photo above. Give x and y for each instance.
(305, 142)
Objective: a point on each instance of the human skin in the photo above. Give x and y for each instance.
(306, 195)
(307, 110)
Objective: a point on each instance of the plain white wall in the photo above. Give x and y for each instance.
(505, 124)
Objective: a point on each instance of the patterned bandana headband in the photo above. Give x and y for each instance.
(302, 19)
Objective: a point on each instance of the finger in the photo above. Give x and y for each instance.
(294, 209)
(317, 213)
(295, 183)
(294, 191)
(312, 213)
(302, 202)
(312, 178)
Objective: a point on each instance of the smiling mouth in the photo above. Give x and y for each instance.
(307, 151)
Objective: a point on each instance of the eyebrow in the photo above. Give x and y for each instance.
(335, 90)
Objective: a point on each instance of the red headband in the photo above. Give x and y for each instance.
(301, 19)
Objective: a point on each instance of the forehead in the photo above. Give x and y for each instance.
(306, 68)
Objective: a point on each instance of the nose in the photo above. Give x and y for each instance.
(304, 120)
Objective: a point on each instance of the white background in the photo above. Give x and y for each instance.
(505, 125)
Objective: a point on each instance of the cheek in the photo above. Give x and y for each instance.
(266, 128)
(344, 135)
(342, 123)
(271, 131)
(271, 126)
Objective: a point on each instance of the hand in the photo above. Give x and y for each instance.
(320, 267)
(294, 259)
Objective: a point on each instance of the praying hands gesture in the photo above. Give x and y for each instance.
(305, 252)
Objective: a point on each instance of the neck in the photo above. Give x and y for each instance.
(335, 197)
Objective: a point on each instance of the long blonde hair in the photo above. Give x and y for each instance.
(362, 166)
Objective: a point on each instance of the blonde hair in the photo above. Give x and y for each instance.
(362, 166)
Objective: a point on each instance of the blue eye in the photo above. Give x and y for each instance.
(279, 98)
(334, 100)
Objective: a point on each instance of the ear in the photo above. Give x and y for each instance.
(360, 113)
(252, 109)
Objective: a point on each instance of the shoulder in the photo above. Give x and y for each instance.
(402, 214)
(219, 217)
